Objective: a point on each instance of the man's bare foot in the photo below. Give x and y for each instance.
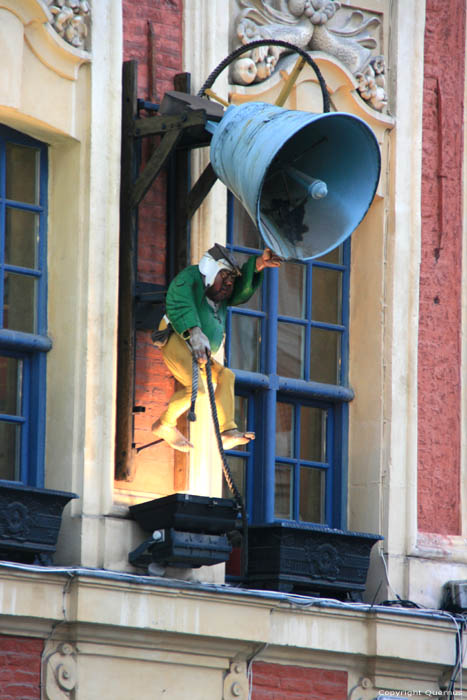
(172, 436)
(232, 438)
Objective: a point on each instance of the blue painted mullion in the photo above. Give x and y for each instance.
(8, 418)
(25, 430)
(42, 252)
(271, 395)
(248, 312)
(228, 337)
(34, 208)
(336, 327)
(26, 271)
(308, 307)
(296, 469)
(245, 249)
(329, 474)
(330, 266)
(2, 226)
(249, 462)
(345, 315)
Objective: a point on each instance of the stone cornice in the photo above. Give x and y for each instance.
(151, 614)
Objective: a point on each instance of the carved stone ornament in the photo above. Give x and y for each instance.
(236, 685)
(61, 673)
(71, 20)
(315, 25)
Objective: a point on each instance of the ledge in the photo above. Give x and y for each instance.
(104, 607)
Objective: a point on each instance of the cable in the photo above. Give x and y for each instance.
(267, 42)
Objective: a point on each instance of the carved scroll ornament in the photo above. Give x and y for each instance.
(71, 20)
(315, 25)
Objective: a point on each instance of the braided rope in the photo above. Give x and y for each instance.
(194, 388)
(226, 469)
(268, 42)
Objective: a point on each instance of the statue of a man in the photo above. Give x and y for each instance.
(196, 309)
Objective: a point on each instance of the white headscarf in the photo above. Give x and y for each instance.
(210, 267)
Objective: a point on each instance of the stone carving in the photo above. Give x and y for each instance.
(315, 25)
(61, 673)
(324, 561)
(15, 521)
(71, 20)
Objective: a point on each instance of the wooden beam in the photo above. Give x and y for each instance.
(162, 124)
(124, 452)
(153, 167)
(200, 190)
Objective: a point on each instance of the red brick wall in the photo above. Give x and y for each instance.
(278, 682)
(20, 668)
(152, 35)
(440, 277)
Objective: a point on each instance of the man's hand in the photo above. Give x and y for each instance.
(200, 345)
(267, 259)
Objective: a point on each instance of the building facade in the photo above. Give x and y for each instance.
(350, 369)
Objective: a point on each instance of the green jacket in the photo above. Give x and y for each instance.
(187, 305)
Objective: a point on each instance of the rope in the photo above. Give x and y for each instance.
(194, 388)
(268, 42)
(226, 469)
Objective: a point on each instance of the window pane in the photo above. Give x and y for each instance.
(283, 492)
(285, 430)
(11, 376)
(325, 356)
(237, 468)
(244, 231)
(292, 290)
(313, 434)
(312, 495)
(22, 181)
(245, 341)
(326, 295)
(290, 350)
(335, 256)
(21, 238)
(20, 302)
(10, 436)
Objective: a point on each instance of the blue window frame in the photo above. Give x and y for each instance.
(23, 298)
(288, 347)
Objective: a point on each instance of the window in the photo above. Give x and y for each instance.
(288, 348)
(23, 339)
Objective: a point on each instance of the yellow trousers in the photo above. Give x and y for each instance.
(177, 357)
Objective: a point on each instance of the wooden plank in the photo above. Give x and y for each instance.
(179, 247)
(200, 190)
(124, 452)
(162, 124)
(154, 165)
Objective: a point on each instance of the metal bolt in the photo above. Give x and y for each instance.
(236, 689)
